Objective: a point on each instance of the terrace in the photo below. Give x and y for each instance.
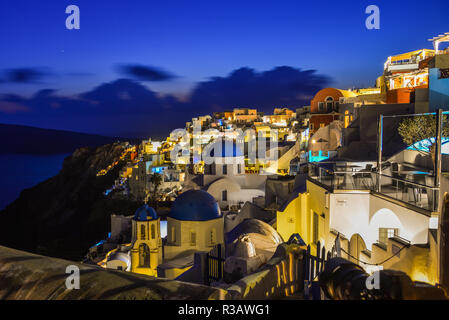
(404, 184)
(408, 61)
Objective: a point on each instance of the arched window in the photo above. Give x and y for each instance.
(329, 103)
(142, 232)
(173, 234)
(144, 255)
(192, 238)
(153, 231)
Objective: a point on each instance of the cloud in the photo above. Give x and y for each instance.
(127, 108)
(23, 75)
(12, 107)
(280, 87)
(145, 73)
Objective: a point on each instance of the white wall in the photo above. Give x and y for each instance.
(366, 213)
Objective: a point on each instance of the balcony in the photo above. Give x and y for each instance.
(406, 65)
(405, 187)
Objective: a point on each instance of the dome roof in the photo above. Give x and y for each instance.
(224, 149)
(145, 213)
(195, 205)
(120, 256)
(254, 226)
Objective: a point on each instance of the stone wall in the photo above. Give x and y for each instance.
(276, 279)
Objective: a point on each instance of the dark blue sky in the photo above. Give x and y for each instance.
(196, 40)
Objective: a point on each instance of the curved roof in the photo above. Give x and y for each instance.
(225, 148)
(120, 256)
(145, 213)
(250, 226)
(195, 205)
(333, 91)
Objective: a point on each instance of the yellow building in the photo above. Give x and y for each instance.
(372, 228)
(195, 223)
(146, 251)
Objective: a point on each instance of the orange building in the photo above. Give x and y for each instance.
(245, 115)
(324, 107)
(280, 115)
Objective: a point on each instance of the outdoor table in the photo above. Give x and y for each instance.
(417, 192)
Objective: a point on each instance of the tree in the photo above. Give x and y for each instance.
(156, 181)
(413, 130)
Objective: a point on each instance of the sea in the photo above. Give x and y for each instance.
(25, 171)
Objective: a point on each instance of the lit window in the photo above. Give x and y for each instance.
(346, 118)
(386, 233)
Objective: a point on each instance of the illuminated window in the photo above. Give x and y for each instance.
(346, 118)
(322, 125)
(386, 233)
(329, 103)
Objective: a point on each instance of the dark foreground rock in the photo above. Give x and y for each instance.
(26, 276)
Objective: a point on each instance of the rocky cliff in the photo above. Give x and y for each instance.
(65, 215)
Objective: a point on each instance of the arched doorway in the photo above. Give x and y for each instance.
(356, 246)
(144, 255)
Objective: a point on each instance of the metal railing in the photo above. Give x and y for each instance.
(411, 192)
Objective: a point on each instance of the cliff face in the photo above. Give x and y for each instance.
(68, 213)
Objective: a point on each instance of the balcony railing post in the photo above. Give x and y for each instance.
(379, 150)
(437, 171)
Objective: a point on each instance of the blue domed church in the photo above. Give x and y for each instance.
(146, 251)
(195, 223)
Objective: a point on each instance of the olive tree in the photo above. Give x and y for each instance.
(422, 128)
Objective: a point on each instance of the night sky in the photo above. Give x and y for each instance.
(136, 68)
